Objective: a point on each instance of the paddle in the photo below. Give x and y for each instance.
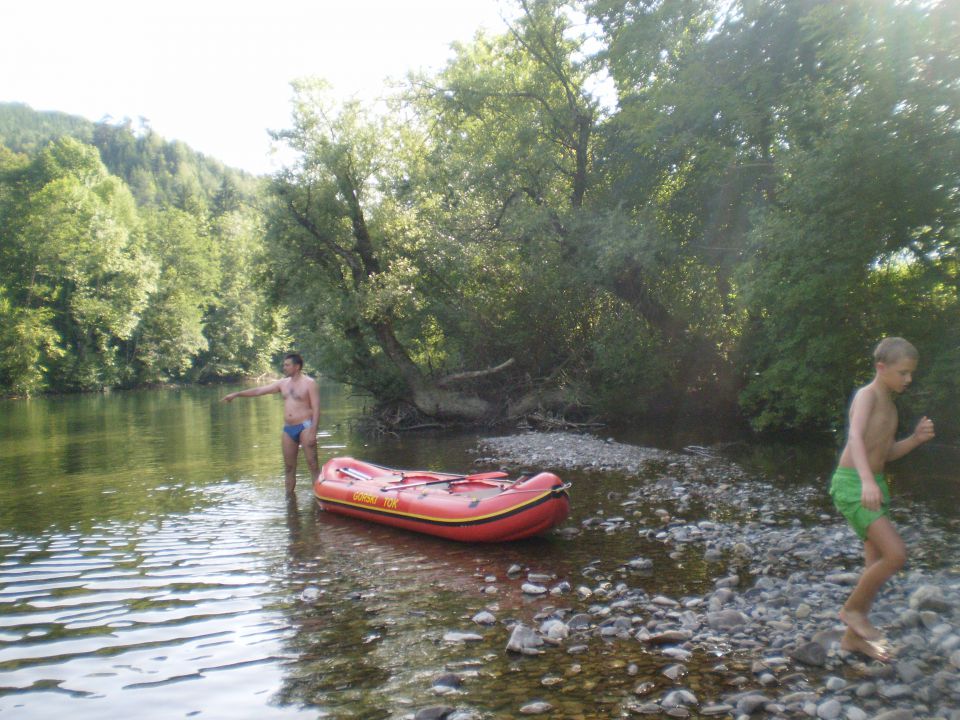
(450, 480)
(357, 475)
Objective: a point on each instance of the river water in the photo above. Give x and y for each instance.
(151, 567)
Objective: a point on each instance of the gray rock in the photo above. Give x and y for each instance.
(843, 578)
(810, 653)
(751, 702)
(726, 619)
(484, 617)
(669, 637)
(834, 683)
(898, 714)
(580, 621)
(908, 671)
(537, 707)
(436, 712)
(675, 672)
(555, 630)
(678, 698)
(531, 589)
(461, 637)
(451, 680)
(524, 640)
(716, 709)
(895, 692)
(829, 710)
(930, 597)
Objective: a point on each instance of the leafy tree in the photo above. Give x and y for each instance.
(861, 242)
(72, 247)
(27, 340)
(244, 329)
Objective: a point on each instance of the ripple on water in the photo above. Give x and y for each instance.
(123, 615)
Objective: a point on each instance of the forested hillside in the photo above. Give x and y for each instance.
(125, 259)
(614, 209)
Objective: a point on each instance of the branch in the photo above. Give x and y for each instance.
(471, 374)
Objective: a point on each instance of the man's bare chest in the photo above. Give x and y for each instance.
(297, 393)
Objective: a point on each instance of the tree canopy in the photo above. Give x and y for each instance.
(763, 191)
(125, 260)
(614, 208)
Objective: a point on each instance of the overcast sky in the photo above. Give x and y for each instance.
(216, 73)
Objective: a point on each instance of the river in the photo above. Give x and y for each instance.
(151, 567)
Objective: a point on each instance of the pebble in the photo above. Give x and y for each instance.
(538, 707)
(780, 578)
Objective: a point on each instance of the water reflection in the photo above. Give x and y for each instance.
(150, 566)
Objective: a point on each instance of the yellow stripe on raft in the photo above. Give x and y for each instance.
(472, 518)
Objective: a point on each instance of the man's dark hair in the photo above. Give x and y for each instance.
(294, 358)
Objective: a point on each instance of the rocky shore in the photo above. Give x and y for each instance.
(783, 569)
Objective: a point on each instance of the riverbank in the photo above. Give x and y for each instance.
(783, 567)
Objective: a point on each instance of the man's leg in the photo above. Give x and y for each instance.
(884, 555)
(308, 441)
(290, 449)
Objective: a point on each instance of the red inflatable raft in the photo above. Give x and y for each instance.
(484, 507)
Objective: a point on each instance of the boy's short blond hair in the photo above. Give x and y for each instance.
(892, 350)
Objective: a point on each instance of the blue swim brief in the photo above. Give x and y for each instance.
(294, 430)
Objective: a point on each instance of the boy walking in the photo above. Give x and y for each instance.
(860, 491)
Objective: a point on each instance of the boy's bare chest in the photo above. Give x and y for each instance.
(883, 424)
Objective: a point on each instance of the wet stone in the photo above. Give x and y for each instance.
(896, 692)
(716, 709)
(436, 712)
(537, 707)
(930, 597)
(829, 710)
(908, 671)
(524, 640)
(726, 619)
(898, 714)
(751, 702)
(810, 653)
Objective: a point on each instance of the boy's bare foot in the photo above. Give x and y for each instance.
(854, 643)
(859, 623)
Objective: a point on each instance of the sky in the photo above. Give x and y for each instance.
(216, 74)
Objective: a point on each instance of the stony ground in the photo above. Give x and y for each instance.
(780, 606)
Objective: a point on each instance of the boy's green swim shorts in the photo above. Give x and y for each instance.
(846, 490)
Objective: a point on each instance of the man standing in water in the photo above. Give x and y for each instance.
(301, 415)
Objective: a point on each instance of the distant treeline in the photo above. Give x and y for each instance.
(125, 260)
(757, 193)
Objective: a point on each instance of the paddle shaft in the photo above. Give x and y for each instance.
(357, 475)
(449, 481)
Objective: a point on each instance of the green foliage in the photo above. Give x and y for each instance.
(860, 240)
(27, 341)
(103, 288)
(775, 187)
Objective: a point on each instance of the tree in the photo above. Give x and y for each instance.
(862, 239)
(72, 248)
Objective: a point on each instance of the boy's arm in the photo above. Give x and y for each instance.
(921, 434)
(861, 408)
